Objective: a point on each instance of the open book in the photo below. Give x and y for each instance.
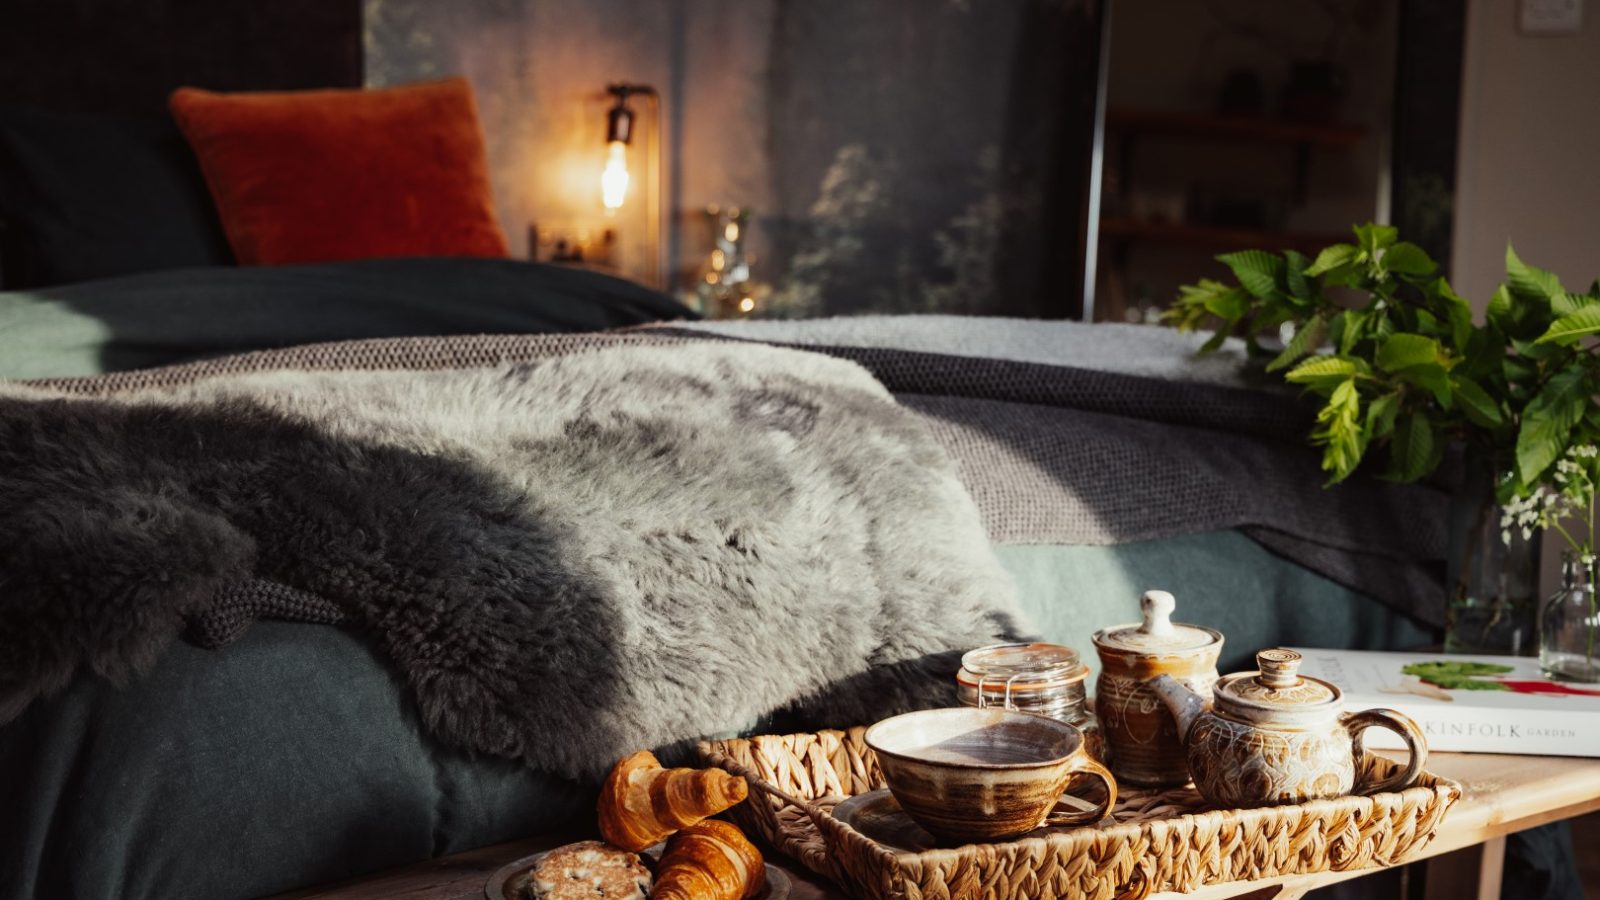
(1482, 704)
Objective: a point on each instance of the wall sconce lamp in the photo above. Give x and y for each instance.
(615, 178)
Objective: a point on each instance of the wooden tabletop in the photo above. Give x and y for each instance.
(1500, 795)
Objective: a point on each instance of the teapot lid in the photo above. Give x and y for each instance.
(1277, 686)
(1158, 633)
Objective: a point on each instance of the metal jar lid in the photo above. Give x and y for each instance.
(1158, 634)
(1021, 668)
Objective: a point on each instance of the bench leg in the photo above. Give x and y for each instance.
(1471, 873)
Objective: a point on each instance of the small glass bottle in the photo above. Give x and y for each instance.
(1569, 627)
(1042, 679)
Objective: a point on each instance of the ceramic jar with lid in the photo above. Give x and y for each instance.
(1142, 736)
(1042, 679)
(1276, 736)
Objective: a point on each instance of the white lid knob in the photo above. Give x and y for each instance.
(1157, 607)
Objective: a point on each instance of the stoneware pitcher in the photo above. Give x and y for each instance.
(1141, 736)
(1275, 736)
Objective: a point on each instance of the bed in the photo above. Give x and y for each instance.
(292, 749)
(297, 753)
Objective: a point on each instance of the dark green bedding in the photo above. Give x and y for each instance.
(294, 757)
(180, 315)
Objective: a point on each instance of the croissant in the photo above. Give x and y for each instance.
(709, 861)
(642, 803)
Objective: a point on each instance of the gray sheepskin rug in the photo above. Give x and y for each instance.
(566, 561)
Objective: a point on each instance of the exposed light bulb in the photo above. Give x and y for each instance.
(614, 178)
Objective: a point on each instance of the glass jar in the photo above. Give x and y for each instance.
(1042, 679)
(1493, 599)
(1569, 627)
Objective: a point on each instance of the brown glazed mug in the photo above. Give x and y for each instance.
(1140, 732)
(979, 775)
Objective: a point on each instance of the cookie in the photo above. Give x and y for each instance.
(589, 869)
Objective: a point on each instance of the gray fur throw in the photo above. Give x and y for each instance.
(565, 560)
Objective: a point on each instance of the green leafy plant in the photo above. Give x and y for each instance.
(1400, 363)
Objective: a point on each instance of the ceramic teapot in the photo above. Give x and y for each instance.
(1275, 736)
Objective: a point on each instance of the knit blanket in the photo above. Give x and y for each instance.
(1064, 433)
(567, 557)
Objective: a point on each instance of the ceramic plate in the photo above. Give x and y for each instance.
(878, 815)
(511, 881)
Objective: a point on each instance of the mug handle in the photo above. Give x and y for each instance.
(1086, 765)
(1409, 731)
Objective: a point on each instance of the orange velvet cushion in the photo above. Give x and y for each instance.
(312, 176)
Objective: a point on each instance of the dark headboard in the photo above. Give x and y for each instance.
(126, 56)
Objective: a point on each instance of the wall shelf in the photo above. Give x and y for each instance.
(1214, 237)
(1263, 129)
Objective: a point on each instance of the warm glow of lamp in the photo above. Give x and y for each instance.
(614, 178)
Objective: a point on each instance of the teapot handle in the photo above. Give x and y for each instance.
(1409, 731)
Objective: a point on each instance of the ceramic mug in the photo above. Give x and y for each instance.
(976, 775)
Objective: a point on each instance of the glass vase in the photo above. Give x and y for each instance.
(1493, 603)
(1569, 627)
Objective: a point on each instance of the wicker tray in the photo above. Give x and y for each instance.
(1161, 841)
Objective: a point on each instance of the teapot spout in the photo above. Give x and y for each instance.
(1185, 705)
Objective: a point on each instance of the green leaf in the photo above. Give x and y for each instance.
(1476, 404)
(1189, 309)
(1411, 450)
(1428, 323)
(1215, 341)
(1353, 328)
(1483, 356)
(1573, 327)
(1334, 257)
(1432, 376)
(1324, 373)
(1547, 422)
(1455, 308)
(1402, 351)
(1338, 431)
(1529, 283)
(1257, 270)
(1536, 351)
(1306, 339)
(1294, 276)
(1230, 306)
(1518, 370)
(1408, 259)
(1459, 675)
(1381, 414)
(1373, 238)
(1569, 303)
(1499, 309)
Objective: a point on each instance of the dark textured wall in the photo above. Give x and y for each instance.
(900, 155)
(126, 56)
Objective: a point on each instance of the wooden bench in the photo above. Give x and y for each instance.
(1501, 795)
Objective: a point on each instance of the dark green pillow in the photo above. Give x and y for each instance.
(85, 197)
